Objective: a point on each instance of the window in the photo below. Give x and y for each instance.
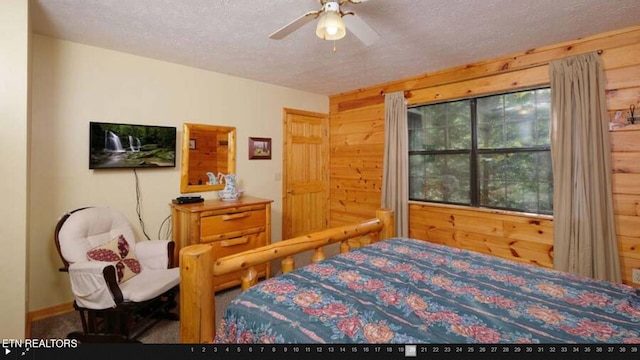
(491, 151)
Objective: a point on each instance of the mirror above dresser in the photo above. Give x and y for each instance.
(207, 150)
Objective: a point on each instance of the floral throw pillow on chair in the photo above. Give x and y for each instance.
(118, 252)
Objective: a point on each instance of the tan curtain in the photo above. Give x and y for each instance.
(395, 173)
(584, 230)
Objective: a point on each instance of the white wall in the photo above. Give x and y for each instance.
(74, 84)
(14, 139)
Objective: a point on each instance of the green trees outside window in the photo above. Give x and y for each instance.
(491, 151)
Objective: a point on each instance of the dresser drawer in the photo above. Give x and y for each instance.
(232, 246)
(229, 227)
(232, 222)
(235, 245)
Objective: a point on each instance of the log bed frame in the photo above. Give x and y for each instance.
(197, 268)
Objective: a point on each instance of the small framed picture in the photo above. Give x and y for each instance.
(259, 148)
(192, 144)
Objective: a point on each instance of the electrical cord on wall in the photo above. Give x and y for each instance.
(139, 206)
(168, 231)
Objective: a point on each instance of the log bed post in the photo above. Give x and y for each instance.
(197, 269)
(197, 305)
(388, 223)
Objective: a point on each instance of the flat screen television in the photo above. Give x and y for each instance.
(117, 146)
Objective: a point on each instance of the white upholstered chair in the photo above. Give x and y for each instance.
(121, 287)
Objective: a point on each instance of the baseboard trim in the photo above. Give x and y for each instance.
(47, 313)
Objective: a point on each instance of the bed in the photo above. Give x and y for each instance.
(402, 290)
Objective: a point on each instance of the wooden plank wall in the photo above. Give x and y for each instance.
(625, 145)
(357, 142)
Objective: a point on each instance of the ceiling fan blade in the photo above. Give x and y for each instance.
(360, 29)
(294, 25)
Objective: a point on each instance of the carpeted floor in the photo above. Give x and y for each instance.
(165, 332)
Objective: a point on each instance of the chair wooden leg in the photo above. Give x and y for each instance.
(127, 322)
(92, 322)
(83, 319)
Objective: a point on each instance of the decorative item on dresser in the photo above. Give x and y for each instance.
(229, 227)
(230, 191)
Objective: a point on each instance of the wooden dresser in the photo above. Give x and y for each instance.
(229, 226)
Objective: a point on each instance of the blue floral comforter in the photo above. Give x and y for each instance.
(410, 291)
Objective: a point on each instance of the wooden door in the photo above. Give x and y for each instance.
(305, 172)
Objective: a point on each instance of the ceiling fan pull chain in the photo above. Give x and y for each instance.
(334, 46)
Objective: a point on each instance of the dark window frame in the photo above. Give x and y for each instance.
(474, 153)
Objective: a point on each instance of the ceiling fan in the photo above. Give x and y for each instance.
(331, 23)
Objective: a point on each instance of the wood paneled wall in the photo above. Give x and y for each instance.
(357, 142)
(625, 154)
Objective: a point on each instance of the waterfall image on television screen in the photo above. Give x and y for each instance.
(131, 146)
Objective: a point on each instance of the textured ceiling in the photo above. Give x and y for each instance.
(418, 36)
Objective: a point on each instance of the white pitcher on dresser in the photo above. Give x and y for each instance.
(230, 191)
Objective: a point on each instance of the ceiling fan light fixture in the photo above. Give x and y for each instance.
(330, 26)
(332, 23)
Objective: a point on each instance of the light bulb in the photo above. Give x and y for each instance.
(330, 26)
